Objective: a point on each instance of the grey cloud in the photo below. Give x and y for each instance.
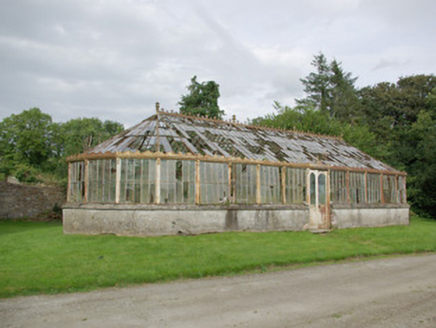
(115, 59)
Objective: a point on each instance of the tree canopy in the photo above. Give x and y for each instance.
(201, 100)
(31, 143)
(394, 122)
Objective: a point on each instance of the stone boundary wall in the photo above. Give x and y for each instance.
(19, 200)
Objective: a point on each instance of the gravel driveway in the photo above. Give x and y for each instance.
(395, 292)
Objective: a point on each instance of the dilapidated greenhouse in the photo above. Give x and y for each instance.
(177, 174)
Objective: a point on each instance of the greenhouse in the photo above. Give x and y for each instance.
(177, 174)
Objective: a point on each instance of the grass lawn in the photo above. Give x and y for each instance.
(38, 258)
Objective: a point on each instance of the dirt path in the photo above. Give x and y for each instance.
(396, 292)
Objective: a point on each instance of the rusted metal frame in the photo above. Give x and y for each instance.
(197, 183)
(347, 183)
(382, 196)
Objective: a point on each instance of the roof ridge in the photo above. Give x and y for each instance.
(250, 126)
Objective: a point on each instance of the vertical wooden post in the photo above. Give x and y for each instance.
(197, 183)
(405, 190)
(382, 197)
(231, 197)
(158, 162)
(366, 187)
(258, 197)
(69, 183)
(397, 193)
(86, 180)
(308, 186)
(347, 181)
(328, 221)
(283, 184)
(118, 181)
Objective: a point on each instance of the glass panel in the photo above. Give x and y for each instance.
(357, 188)
(102, 179)
(295, 185)
(244, 183)
(373, 188)
(270, 185)
(338, 187)
(390, 189)
(77, 182)
(177, 185)
(214, 179)
(321, 189)
(312, 189)
(138, 180)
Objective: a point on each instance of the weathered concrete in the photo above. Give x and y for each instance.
(348, 216)
(170, 220)
(155, 220)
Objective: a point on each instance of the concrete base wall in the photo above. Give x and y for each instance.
(155, 220)
(372, 216)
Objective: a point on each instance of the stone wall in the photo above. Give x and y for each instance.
(19, 200)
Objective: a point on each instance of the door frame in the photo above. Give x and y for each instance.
(319, 208)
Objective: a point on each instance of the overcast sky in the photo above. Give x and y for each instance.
(114, 59)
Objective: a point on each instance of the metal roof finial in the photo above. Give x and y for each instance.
(157, 107)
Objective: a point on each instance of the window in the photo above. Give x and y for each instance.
(357, 187)
(390, 194)
(138, 181)
(338, 187)
(177, 185)
(77, 182)
(312, 189)
(295, 185)
(214, 179)
(373, 188)
(270, 185)
(102, 181)
(244, 183)
(321, 189)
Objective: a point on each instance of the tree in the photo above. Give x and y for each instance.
(202, 100)
(309, 119)
(81, 134)
(27, 137)
(331, 90)
(422, 189)
(31, 144)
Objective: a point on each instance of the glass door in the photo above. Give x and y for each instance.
(319, 209)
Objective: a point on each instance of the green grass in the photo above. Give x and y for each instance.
(38, 258)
